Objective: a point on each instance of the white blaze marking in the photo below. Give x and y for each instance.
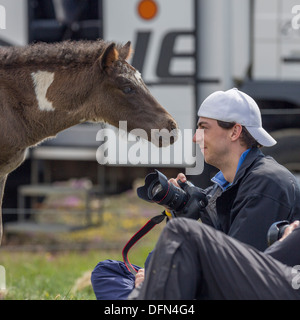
(138, 76)
(42, 81)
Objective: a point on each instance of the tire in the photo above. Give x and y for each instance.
(287, 149)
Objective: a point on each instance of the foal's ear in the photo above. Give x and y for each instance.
(126, 51)
(109, 56)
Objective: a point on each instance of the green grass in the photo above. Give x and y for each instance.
(46, 276)
(42, 275)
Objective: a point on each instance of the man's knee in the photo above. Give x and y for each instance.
(189, 229)
(183, 224)
(178, 226)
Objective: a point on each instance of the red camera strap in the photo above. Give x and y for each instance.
(141, 233)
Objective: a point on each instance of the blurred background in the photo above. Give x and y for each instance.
(185, 50)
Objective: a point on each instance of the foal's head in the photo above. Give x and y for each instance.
(123, 96)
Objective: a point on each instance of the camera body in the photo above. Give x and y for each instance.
(186, 201)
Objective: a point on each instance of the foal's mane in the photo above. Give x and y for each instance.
(66, 53)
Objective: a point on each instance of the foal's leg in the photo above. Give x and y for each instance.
(2, 185)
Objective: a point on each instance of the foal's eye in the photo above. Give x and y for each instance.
(127, 90)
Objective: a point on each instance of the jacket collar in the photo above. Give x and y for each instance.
(246, 160)
(252, 155)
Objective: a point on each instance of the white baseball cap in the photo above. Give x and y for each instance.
(236, 106)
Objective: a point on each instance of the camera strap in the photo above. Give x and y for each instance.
(136, 237)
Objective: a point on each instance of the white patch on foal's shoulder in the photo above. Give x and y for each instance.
(42, 81)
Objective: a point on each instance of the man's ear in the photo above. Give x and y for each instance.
(109, 56)
(236, 132)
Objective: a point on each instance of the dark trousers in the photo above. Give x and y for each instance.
(194, 261)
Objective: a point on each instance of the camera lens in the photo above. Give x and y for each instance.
(167, 195)
(157, 188)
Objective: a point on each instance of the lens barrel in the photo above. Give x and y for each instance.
(158, 189)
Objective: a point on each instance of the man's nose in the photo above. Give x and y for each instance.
(198, 136)
(194, 137)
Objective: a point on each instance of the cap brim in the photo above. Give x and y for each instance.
(262, 136)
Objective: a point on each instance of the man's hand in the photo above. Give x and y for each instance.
(290, 229)
(180, 177)
(139, 277)
(197, 199)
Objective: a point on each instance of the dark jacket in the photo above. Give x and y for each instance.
(262, 193)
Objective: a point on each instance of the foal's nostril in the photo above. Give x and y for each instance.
(172, 125)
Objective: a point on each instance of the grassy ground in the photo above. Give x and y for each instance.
(59, 276)
(49, 274)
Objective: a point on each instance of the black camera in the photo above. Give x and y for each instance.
(186, 201)
(276, 231)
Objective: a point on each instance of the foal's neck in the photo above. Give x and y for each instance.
(58, 99)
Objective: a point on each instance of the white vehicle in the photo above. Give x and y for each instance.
(185, 50)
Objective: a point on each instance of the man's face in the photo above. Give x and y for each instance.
(213, 140)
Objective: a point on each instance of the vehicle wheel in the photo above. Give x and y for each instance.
(287, 150)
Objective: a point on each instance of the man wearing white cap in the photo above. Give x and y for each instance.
(250, 193)
(251, 190)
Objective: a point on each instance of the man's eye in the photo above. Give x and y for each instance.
(127, 90)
